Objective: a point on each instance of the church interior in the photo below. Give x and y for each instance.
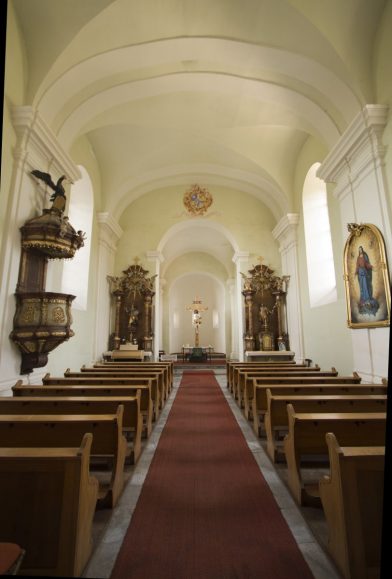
(195, 209)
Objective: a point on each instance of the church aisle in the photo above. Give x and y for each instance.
(205, 510)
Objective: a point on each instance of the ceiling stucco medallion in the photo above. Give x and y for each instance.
(197, 200)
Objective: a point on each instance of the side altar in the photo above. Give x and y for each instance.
(266, 337)
(132, 296)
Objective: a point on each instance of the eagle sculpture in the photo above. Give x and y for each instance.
(58, 197)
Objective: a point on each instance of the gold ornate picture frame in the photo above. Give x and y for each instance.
(366, 277)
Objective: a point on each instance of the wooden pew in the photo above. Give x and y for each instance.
(132, 418)
(47, 504)
(160, 374)
(151, 382)
(352, 499)
(306, 437)
(231, 366)
(133, 371)
(238, 372)
(146, 405)
(169, 366)
(295, 380)
(244, 389)
(51, 430)
(259, 400)
(276, 419)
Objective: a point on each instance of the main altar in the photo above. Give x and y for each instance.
(265, 336)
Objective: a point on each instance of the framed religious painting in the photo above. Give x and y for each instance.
(366, 277)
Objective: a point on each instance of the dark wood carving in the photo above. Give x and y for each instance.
(133, 299)
(265, 310)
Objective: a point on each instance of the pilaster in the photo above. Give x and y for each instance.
(286, 235)
(239, 258)
(157, 258)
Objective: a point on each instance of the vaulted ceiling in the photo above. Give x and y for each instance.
(215, 91)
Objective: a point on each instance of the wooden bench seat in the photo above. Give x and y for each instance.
(352, 499)
(240, 375)
(146, 406)
(259, 400)
(295, 380)
(65, 430)
(132, 418)
(47, 505)
(276, 418)
(159, 374)
(151, 382)
(244, 388)
(306, 438)
(232, 366)
(169, 366)
(132, 371)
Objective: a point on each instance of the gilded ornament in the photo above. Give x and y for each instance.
(28, 315)
(197, 200)
(58, 315)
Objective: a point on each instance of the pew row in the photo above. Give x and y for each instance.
(232, 366)
(54, 525)
(159, 375)
(243, 390)
(127, 365)
(306, 438)
(132, 418)
(276, 418)
(240, 375)
(66, 430)
(117, 392)
(352, 500)
(151, 382)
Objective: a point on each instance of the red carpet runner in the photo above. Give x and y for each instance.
(205, 510)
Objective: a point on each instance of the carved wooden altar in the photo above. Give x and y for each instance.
(265, 310)
(133, 304)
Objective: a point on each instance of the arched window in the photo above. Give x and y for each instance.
(80, 213)
(319, 255)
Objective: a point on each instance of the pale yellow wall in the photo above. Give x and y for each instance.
(383, 84)
(326, 336)
(15, 80)
(79, 349)
(148, 218)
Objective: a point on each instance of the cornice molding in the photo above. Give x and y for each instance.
(41, 143)
(109, 226)
(286, 230)
(240, 256)
(156, 256)
(360, 145)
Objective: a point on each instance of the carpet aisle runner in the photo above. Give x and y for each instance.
(205, 510)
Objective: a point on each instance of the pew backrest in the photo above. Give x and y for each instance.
(54, 525)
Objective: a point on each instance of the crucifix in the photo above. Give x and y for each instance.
(196, 308)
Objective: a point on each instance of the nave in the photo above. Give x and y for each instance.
(307, 525)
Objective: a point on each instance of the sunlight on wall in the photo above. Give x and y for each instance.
(80, 213)
(319, 256)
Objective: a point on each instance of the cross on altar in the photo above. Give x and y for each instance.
(196, 308)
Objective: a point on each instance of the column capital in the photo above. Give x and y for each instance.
(44, 149)
(357, 150)
(240, 257)
(285, 232)
(156, 256)
(109, 230)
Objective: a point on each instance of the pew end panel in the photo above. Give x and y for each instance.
(48, 500)
(352, 499)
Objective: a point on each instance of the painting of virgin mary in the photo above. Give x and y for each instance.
(366, 277)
